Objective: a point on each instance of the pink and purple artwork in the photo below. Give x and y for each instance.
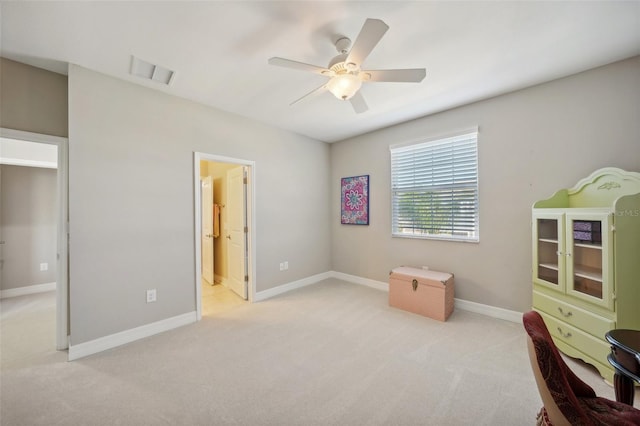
(355, 200)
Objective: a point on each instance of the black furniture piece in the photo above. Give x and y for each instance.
(625, 358)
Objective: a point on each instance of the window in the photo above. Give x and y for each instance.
(434, 189)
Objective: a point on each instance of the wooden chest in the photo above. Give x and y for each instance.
(422, 291)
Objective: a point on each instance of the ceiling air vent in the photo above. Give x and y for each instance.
(150, 71)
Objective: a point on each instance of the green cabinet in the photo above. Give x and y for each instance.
(586, 263)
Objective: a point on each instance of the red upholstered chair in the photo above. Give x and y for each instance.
(566, 399)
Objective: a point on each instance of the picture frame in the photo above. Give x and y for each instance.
(354, 204)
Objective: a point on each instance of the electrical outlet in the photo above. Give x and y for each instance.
(44, 266)
(151, 295)
(282, 266)
(286, 265)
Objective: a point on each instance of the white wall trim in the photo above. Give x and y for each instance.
(284, 288)
(465, 305)
(490, 311)
(30, 289)
(378, 285)
(28, 163)
(118, 339)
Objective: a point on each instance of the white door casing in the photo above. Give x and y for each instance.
(207, 229)
(236, 231)
(250, 207)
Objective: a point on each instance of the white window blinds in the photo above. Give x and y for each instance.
(434, 189)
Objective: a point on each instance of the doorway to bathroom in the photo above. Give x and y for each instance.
(224, 233)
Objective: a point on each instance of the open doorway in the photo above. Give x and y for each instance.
(36, 172)
(224, 233)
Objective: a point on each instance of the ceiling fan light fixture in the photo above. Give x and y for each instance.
(344, 86)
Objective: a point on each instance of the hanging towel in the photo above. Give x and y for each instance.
(216, 221)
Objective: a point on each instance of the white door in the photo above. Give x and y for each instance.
(237, 231)
(207, 229)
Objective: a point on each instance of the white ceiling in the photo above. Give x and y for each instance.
(219, 50)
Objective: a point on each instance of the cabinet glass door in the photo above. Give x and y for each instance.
(588, 242)
(548, 234)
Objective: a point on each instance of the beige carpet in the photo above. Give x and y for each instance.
(329, 354)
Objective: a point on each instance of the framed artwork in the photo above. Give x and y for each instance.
(355, 200)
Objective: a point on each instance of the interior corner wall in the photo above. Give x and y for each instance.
(531, 143)
(131, 201)
(28, 225)
(32, 99)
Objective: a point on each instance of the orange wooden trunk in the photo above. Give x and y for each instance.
(422, 291)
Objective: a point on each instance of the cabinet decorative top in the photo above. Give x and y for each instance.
(601, 188)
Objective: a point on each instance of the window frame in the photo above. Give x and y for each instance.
(416, 146)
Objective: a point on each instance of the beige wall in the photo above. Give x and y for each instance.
(531, 143)
(131, 195)
(32, 99)
(27, 225)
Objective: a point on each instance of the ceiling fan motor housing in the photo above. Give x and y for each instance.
(337, 64)
(343, 44)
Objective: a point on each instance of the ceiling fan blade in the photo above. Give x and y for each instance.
(370, 34)
(414, 75)
(358, 103)
(288, 63)
(311, 94)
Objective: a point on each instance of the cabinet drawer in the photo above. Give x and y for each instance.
(573, 315)
(578, 339)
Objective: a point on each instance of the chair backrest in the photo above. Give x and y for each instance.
(558, 386)
(553, 411)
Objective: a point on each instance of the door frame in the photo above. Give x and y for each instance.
(251, 221)
(62, 231)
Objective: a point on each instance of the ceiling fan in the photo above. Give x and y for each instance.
(344, 71)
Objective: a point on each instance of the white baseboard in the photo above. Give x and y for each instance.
(465, 305)
(266, 294)
(490, 311)
(30, 289)
(114, 340)
(378, 285)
